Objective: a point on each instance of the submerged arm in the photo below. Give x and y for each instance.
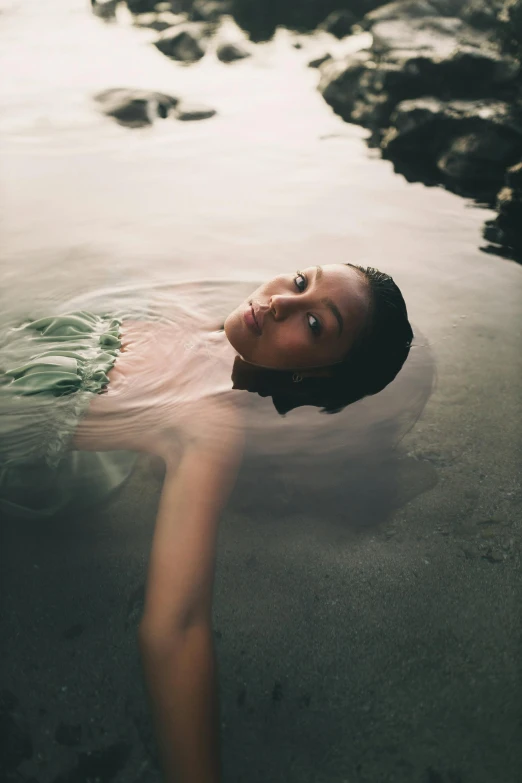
(175, 633)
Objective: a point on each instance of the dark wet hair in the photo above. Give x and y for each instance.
(371, 364)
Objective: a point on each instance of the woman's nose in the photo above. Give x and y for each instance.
(277, 306)
(281, 305)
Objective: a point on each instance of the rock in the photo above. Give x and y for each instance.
(511, 19)
(190, 112)
(208, 10)
(159, 22)
(318, 61)
(423, 115)
(134, 108)
(411, 9)
(339, 83)
(105, 9)
(509, 204)
(441, 91)
(339, 23)
(483, 14)
(466, 71)
(140, 6)
(438, 36)
(514, 177)
(475, 163)
(365, 89)
(187, 44)
(260, 18)
(229, 52)
(160, 7)
(506, 229)
(465, 144)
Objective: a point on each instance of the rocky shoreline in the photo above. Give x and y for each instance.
(439, 88)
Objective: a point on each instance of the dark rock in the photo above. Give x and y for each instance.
(365, 88)
(105, 9)
(465, 144)
(229, 52)
(339, 23)
(134, 108)
(483, 14)
(318, 61)
(441, 91)
(509, 205)
(261, 18)
(412, 9)
(511, 19)
(514, 177)
(159, 21)
(140, 6)
(506, 229)
(475, 162)
(508, 223)
(208, 10)
(435, 36)
(187, 44)
(339, 83)
(189, 112)
(465, 72)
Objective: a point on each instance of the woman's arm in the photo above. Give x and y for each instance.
(175, 633)
(181, 678)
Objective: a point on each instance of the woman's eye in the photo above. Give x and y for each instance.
(300, 281)
(314, 324)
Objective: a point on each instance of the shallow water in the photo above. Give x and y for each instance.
(95, 212)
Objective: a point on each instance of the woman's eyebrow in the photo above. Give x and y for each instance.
(328, 302)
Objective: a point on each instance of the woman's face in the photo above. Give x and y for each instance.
(301, 320)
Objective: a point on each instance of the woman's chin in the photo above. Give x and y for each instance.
(235, 334)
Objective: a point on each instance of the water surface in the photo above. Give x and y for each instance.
(369, 561)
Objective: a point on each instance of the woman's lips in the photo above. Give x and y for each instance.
(250, 320)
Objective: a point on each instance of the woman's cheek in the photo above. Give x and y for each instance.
(290, 346)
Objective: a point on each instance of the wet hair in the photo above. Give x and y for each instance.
(373, 361)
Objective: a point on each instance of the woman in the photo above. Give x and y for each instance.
(326, 336)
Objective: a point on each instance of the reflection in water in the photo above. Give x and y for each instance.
(346, 469)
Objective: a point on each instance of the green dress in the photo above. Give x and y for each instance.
(50, 369)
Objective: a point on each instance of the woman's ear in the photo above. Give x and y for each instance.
(251, 377)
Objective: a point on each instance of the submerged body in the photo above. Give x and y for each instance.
(163, 380)
(170, 389)
(80, 392)
(165, 390)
